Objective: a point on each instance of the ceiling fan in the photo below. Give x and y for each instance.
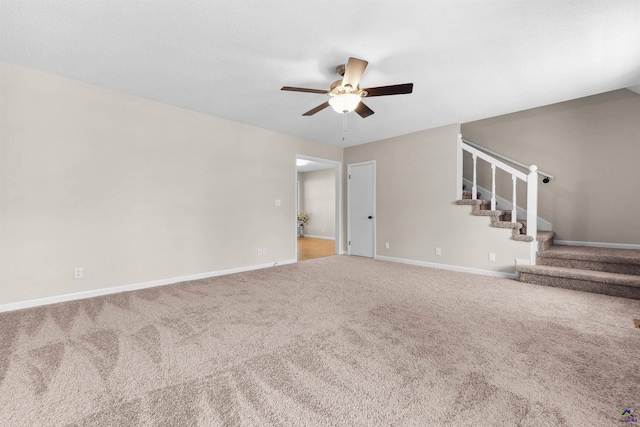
(346, 94)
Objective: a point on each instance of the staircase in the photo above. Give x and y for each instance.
(607, 271)
(499, 218)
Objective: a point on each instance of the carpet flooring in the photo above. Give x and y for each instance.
(336, 341)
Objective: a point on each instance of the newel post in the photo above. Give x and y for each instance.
(532, 210)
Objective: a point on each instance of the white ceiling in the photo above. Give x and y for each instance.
(467, 59)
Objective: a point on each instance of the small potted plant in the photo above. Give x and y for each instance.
(303, 219)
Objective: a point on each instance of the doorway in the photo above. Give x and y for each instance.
(319, 194)
(361, 216)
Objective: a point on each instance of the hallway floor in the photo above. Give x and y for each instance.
(310, 248)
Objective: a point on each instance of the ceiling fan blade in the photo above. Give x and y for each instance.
(363, 110)
(318, 108)
(302, 89)
(390, 90)
(353, 72)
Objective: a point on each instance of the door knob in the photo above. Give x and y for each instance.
(370, 217)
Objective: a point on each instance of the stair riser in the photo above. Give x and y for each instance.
(482, 207)
(543, 246)
(582, 285)
(590, 265)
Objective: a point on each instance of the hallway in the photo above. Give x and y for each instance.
(310, 248)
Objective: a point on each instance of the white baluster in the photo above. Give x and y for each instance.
(493, 187)
(474, 188)
(514, 211)
(532, 210)
(460, 169)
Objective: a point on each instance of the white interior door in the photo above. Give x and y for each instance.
(361, 209)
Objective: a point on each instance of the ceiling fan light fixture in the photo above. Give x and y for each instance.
(345, 102)
(346, 94)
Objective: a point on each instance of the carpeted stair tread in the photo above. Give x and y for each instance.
(585, 275)
(524, 225)
(544, 236)
(472, 202)
(590, 253)
(522, 238)
(612, 260)
(488, 213)
(507, 224)
(599, 282)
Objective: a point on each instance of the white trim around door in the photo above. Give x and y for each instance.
(337, 166)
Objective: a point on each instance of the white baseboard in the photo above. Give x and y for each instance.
(448, 267)
(319, 237)
(133, 287)
(596, 244)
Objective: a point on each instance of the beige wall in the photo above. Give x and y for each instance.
(318, 198)
(415, 210)
(592, 147)
(132, 190)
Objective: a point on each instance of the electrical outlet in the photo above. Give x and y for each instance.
(259, 251)
(438, 251)
(77, 273)
(264, 251)
(492, 256)
(386, 245)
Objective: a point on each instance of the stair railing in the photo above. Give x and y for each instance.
(531, 179)
(500, 156)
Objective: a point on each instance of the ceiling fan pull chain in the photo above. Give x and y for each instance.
(344, 126)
